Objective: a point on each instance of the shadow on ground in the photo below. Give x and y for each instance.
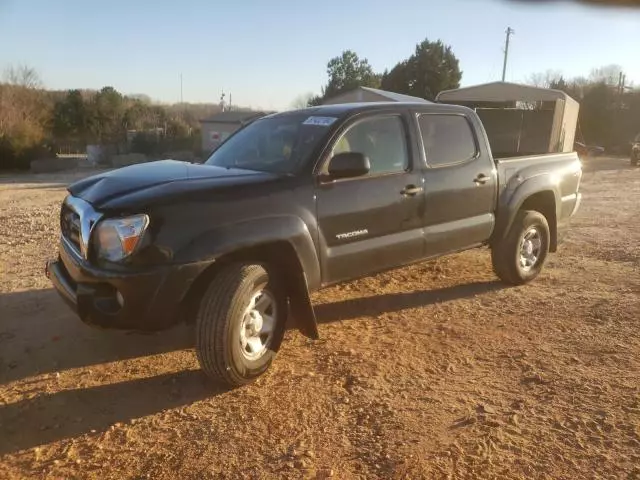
(40, 334)
(48, 418)
(375, 305)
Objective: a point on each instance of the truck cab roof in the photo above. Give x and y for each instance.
(348, 109)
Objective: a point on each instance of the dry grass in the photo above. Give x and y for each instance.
(433, 371)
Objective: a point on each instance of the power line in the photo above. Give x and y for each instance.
(509, 32)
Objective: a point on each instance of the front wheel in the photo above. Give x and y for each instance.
(520, 256)
(240, 324)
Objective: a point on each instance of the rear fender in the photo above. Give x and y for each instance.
(516, 194)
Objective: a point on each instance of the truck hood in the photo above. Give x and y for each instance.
(163, 180)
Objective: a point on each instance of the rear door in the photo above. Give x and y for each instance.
(460, 183)
(372, 222)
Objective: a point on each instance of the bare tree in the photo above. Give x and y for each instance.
(544, 79)
(23, 76)
(22, 109)
(609, 74)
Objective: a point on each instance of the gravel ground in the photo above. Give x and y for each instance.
(432, 371)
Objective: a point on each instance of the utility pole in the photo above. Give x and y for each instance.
(229, 101)
(620, 84)
(509, 32)
(181, 101)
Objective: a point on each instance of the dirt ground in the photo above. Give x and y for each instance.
(433, 371)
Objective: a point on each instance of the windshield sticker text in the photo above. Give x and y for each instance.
(319, 121)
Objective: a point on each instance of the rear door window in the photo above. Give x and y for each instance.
(447, 139)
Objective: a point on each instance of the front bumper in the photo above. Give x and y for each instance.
(141, 300)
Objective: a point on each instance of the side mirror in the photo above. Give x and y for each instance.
(348, 165)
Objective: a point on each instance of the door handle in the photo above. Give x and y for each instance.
(481, 179)
(411, 190)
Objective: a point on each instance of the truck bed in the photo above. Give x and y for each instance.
(532, 165)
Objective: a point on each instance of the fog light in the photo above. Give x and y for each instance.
(120, 299)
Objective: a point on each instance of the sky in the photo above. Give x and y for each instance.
(266, 53)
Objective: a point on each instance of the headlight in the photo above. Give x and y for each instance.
(116, 239)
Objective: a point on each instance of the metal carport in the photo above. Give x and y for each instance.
(520, 119)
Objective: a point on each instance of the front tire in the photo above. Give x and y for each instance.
(520, 256)
(240, 324)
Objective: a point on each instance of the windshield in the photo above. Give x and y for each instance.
(275, 144)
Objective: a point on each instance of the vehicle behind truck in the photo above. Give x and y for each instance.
(635, 151)
(295, 202)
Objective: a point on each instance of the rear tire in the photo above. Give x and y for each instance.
(520, 256)
(240, 324)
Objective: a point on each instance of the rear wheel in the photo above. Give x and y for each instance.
(240, 324)
(520, 256)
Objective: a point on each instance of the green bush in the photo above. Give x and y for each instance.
(144, 143)
(16, 157)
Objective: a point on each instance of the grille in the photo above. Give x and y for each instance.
(70, 226)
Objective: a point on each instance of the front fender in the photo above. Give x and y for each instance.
(231, 237)
(516, 192)
(235, 237)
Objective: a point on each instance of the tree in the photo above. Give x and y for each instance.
(302, 100)
(597, 114)
(431, 69)
(23, 76)
(107, 116)
(559, 84)
(24, 113)
(608, 74)
(348, 71)
(544, 79)
(399, 79)
(608, 116)
(177, 128)
(71, 117)
(315, 101)
(142, 116)
(136, 115)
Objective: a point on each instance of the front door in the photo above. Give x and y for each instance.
(460, 184)
(372, 222)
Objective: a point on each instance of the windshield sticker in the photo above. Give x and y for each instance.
(319, 121)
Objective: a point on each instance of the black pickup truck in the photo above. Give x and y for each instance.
(295, 202)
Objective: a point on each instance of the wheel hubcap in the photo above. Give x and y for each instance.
(530, 249)
(258, 324)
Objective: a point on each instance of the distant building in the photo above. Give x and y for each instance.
(366, 94)
(218, 127)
